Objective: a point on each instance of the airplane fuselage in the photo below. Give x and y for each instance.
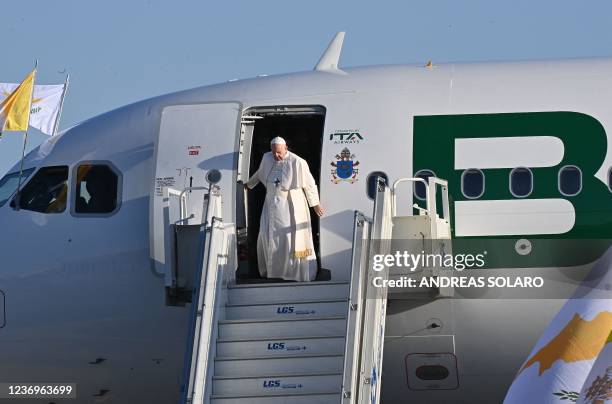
(83, 296)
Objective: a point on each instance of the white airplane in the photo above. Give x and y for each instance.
(86, 289)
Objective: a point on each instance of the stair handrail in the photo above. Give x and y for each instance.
(367, 305)
(434, 183)
(356, 303)
(431, 208)
(167, 192)
(211, 281)
(413, 180)
(374, 315)
(183, 201)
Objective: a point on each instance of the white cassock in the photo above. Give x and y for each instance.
(284, 246)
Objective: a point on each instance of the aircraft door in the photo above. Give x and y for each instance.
(302, 128)
(193, 139)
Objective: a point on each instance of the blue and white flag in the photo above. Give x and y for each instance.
(557, 367)
(597, 388)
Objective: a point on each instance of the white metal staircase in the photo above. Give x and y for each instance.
(289, 342)
(281, 343)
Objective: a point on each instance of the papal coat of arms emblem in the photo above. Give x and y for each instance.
(344, 167)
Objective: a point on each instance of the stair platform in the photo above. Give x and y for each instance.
(331, 397)
(290, 309)
(262, 385)
(252, 366)
(326, 326)
(272, 347)
(295, 292)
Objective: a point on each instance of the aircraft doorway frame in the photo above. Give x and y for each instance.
(299, 125)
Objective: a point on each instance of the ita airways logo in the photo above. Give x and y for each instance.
(345, 167)
(507, 171)
(346, 136)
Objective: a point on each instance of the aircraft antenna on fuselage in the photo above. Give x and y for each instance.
(331, 56)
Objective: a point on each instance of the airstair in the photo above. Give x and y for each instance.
(290, 342)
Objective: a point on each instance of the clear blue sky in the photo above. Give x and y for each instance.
(121, 51)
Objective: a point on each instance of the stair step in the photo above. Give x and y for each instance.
(278, 329)
(268, 293)
(274, 384)
(307, 398)
(279, 365)
(335, 307)
(283, 284)
(272, 347)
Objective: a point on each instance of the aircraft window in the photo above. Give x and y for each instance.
(419, 187)
(8, 184)
(46, 192)
(472, 183)
(371, 182)
(570, 180)
(521, 182)
(96, 189)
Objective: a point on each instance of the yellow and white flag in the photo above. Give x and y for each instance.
(597, 388)
(558, 365)
(46, 104)
(15, 109)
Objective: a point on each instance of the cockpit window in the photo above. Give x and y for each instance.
(46, 192)
(96, 189)
(8, 184)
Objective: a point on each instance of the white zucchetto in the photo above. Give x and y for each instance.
(277, 140)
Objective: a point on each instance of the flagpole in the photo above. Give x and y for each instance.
(25, 139)
(59, 114)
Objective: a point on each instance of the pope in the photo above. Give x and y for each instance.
(285, 248)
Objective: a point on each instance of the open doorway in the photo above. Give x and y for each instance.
(302, 128)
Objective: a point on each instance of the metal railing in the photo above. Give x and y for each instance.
(359, 265)
(217, 270)
(218, 267)
(182, 197)
(367, 305)
(431, 201)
